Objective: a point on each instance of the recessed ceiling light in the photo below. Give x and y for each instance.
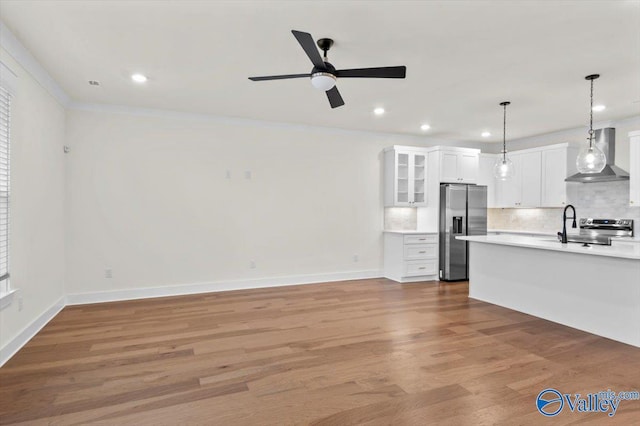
(94, 83)
(598, 108)
(485, 134)
(378, 111)
(139, 78)
(425, 127)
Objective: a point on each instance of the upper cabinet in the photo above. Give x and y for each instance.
(486, 178)
(538, 180)
(634, 169)
(558, 162)
(523, 188)
(458, 165)
(408, 169)
(405, 177)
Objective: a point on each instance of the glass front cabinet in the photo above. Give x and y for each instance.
(405, 178)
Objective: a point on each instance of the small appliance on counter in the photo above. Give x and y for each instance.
(600, 231)
(463, 212)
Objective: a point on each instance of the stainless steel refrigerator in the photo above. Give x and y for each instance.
(463, 211)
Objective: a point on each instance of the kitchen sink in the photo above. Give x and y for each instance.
(601, 241)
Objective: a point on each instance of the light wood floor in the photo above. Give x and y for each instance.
(356, 352)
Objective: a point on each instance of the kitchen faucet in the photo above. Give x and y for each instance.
(564, 222)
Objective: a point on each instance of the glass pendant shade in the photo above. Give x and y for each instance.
(503, 168)
(591, 160)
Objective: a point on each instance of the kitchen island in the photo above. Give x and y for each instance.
(594, 288)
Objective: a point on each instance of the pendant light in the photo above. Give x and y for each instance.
(503, 169)
(590, 158)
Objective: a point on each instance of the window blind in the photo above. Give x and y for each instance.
(5, 117)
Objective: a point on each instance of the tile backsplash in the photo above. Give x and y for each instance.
(603, 200)
(400, 218)
(525, 219)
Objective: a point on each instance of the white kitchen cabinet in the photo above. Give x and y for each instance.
(558, 163)
(531, 179)
(523, 188)
(486, 177)
(410, 256)
(405, 176)
(634, 168)
(509, 191)
(538, 180)
(459, 165)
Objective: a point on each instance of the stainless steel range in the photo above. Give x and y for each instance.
(600, 231)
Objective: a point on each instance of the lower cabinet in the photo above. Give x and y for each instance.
(410, 257)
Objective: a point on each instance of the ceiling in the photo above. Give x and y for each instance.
(462, 58)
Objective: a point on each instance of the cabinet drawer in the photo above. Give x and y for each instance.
(420, 251)
(420, 239)
(416, 268)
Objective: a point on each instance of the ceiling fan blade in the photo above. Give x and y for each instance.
(309, 47)
(279, 77)
(380, 72)
(334, 97)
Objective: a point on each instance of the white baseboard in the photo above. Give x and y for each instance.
(32, 329)
(15, 344)
(216, 286)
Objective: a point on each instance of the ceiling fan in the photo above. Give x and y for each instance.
(324, 75)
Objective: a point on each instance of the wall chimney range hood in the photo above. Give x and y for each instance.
(605, 140)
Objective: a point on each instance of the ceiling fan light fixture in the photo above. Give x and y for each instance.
(324, 75)
(323, 80)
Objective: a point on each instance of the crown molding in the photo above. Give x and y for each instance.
(251, 122)
(8, 79)
(25, 59)
(22, 55)
(566, 135)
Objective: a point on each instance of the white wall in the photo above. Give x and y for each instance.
(37, 259)
(149, 199)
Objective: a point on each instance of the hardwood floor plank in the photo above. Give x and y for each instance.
(358, 352)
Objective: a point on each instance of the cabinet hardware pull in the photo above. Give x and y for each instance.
(422, 267)
(422, 251)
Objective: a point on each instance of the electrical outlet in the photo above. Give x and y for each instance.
(108, 273)
(252, 264)
(356, 258)
(247, 174)
(228, 174)
(20, 303)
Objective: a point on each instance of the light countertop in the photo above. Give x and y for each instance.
(408, 232)
(630, 251)
(570, 231)
(518, 231)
